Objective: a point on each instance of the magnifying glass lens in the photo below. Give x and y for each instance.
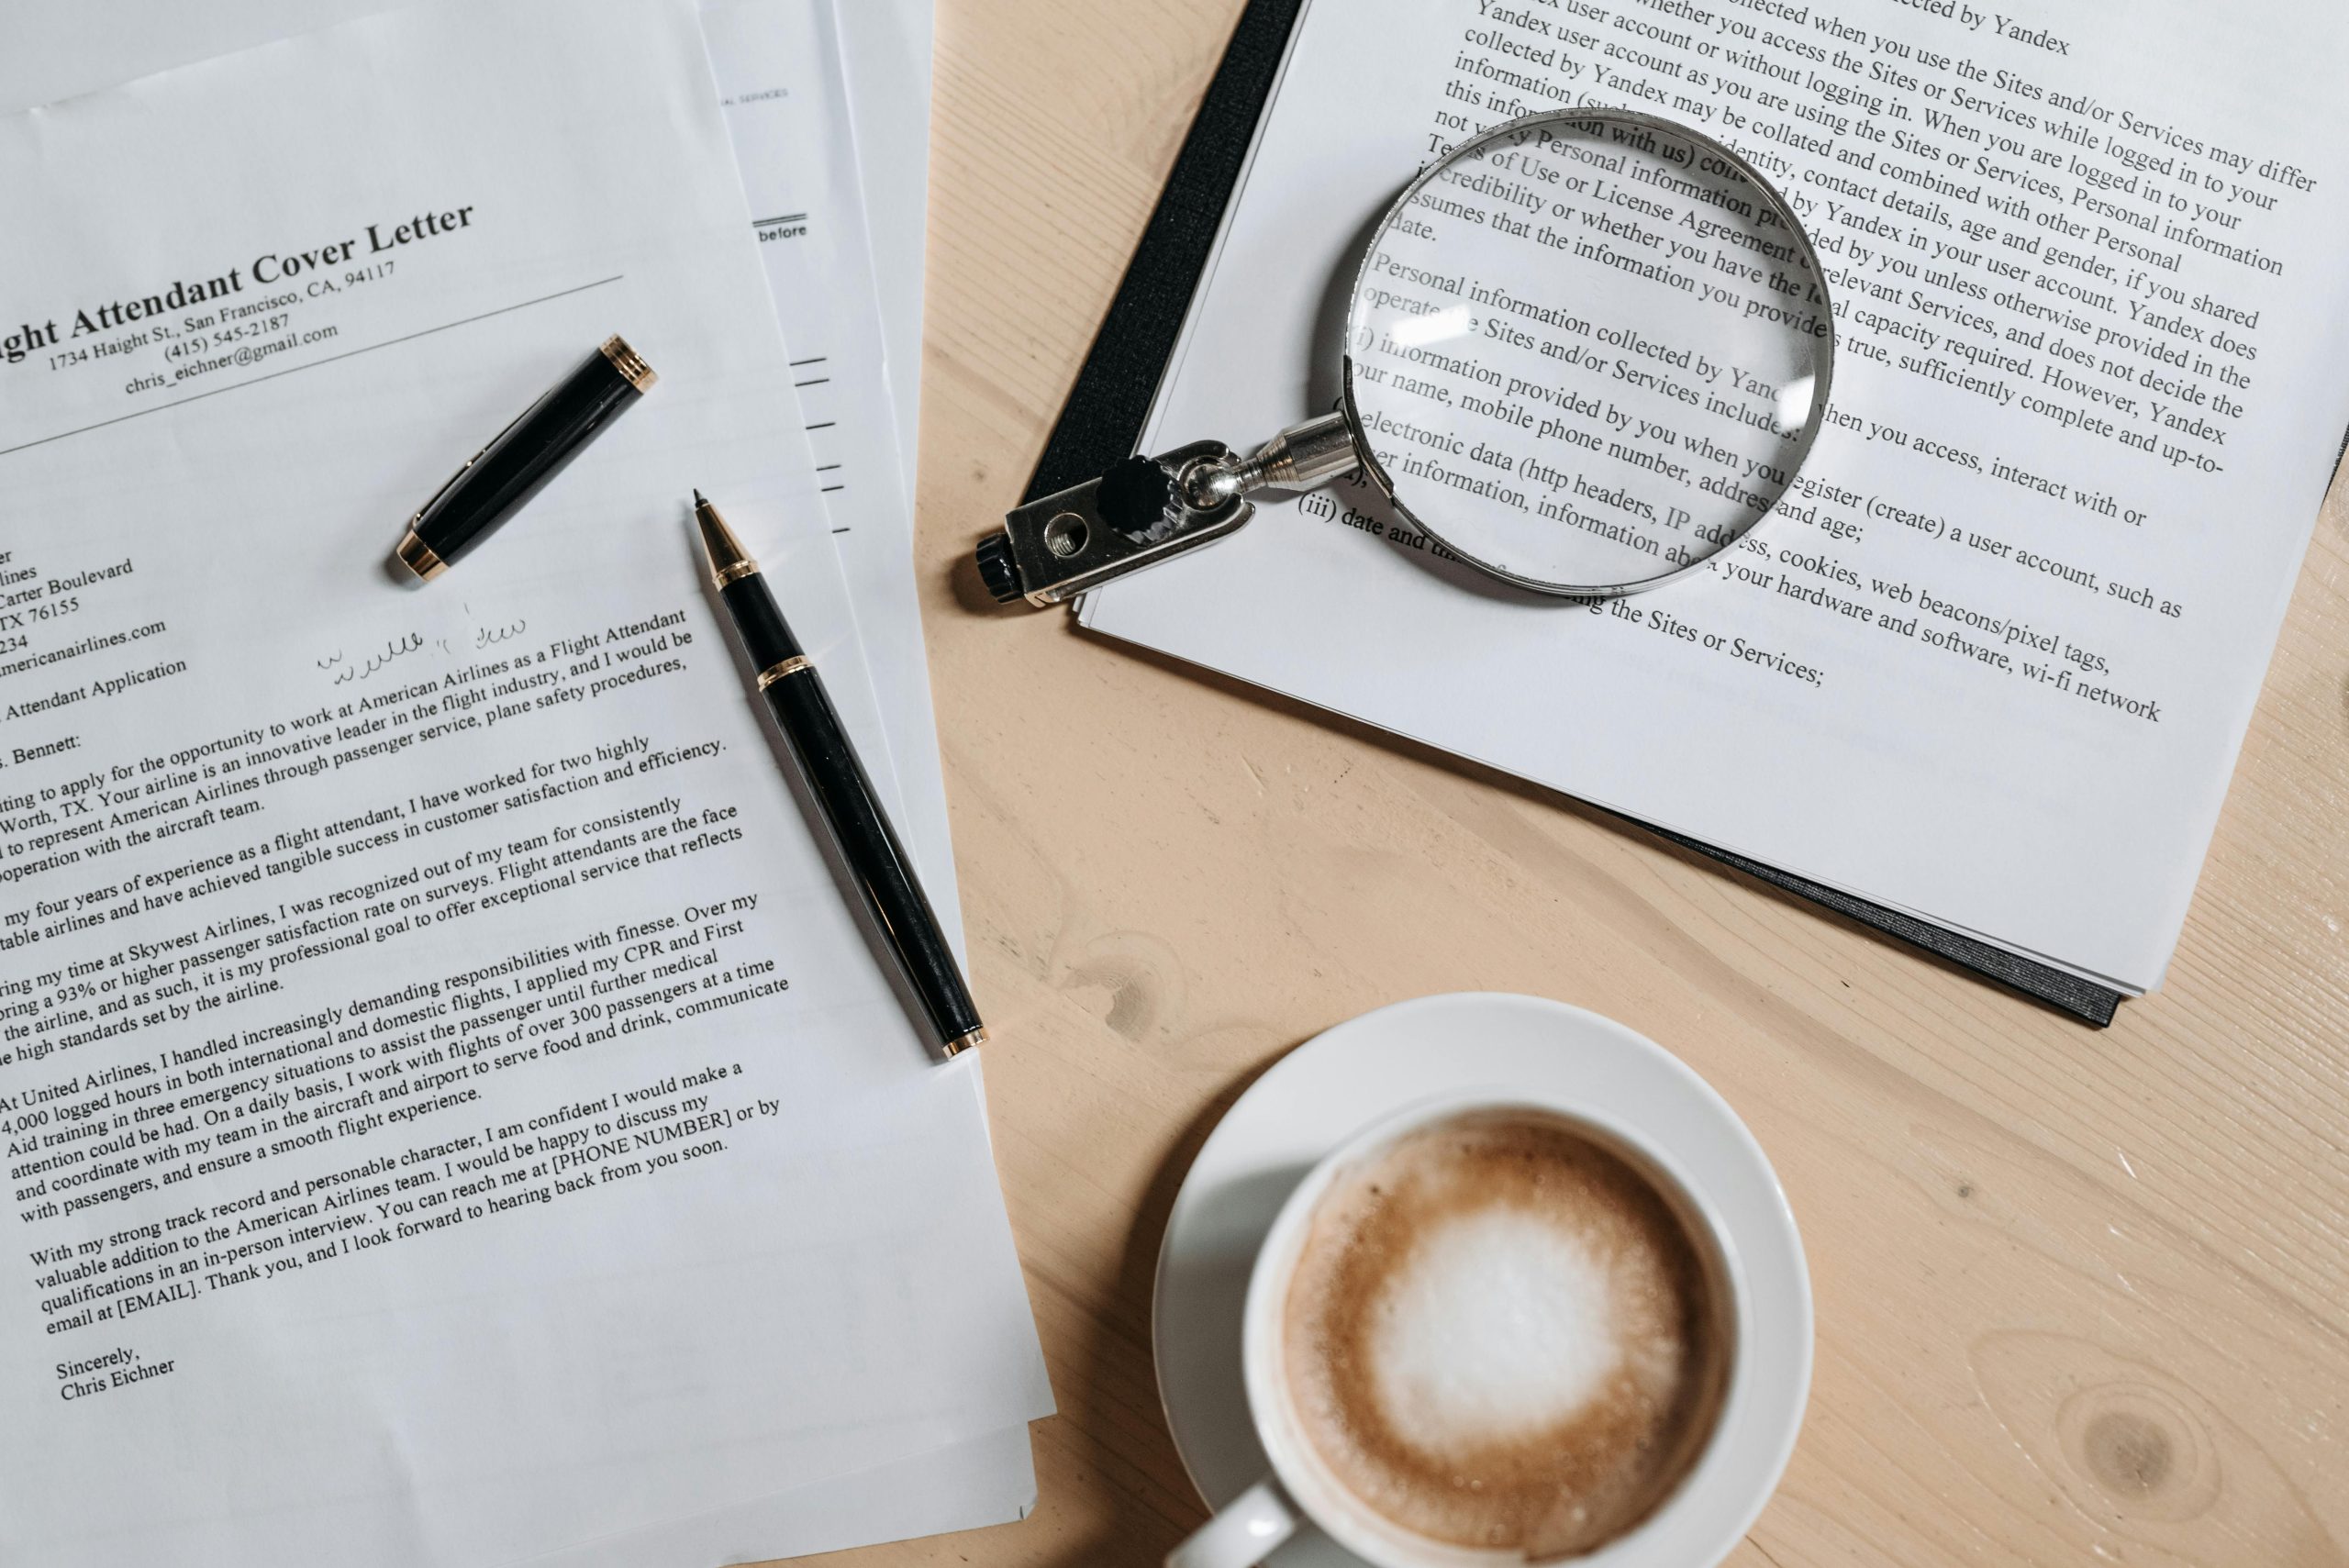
(1588, 355)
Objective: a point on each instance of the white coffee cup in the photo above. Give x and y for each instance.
(1680, 1532)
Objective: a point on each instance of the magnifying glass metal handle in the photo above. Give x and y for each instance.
(1301, 457)
(1148, 510)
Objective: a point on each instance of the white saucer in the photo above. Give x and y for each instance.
(1343, 1080)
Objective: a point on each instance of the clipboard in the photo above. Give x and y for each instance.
(1102, 423)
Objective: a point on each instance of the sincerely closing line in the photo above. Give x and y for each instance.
(313, 364)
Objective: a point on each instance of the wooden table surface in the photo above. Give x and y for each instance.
(2080, 1296)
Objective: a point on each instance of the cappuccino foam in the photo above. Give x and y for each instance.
(1499, 1334)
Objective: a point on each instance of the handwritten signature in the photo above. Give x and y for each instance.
(491, 636)
(345, 671)
(396, 649)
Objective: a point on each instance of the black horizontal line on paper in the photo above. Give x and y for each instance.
(313, 364)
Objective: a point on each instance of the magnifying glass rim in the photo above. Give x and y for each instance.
(1823, 377)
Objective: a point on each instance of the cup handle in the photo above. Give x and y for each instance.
(1249, 1528)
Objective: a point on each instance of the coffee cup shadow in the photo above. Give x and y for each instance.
(1201, 1305)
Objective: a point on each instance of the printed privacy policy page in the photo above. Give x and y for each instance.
(1992, 660)
(451, 1113)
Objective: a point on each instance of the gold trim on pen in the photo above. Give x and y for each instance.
(630, 363)
(728, 562)
(418, 556)
(971, 1042)
(785, 671)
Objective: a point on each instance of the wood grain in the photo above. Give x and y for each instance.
(2080, 1296)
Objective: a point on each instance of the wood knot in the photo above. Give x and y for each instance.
(2127, 1453)
(1143, 979)
(2142, 1446)
(2127, 1443)
(2144, 1456)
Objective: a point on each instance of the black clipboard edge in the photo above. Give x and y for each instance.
(1111, 402)
(1107, 409)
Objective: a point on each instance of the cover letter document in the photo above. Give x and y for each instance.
(449, 1111)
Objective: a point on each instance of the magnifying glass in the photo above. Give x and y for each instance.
(1587, 353)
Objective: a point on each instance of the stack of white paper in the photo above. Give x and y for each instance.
(1991, 663)
(909, 1425)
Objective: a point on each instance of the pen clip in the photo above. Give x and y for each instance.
(466, 467)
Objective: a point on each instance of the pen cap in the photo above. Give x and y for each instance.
(503, 476)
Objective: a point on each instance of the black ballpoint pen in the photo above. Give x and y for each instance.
(836, 779)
